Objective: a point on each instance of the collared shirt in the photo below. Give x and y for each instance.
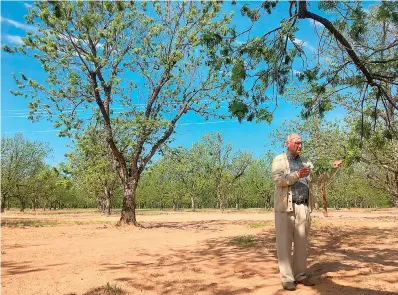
(300, 188)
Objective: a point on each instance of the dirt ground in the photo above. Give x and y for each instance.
(82, 253)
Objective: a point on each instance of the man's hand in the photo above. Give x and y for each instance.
(337, 163)
(304, 172)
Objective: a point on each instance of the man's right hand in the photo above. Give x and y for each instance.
(304, 172)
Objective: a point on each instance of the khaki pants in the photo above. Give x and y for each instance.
(292, 227)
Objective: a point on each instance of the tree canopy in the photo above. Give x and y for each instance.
(136, 65)
(349, 56)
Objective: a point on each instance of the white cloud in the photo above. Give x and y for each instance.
(18, 25)
(315, 23)
(238, 42)
(305, 44)
(17, 40)
(300, 42)
(27, 5)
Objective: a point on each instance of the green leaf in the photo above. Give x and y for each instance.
(238, 109)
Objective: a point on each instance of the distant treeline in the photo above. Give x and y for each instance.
(209, 175)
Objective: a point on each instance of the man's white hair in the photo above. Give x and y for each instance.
(291, 136)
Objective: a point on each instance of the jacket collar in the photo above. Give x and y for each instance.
(291, 157)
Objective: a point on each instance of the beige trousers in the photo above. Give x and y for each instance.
(292, 227)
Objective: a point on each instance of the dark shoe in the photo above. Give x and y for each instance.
(306, 282)
(290, 286)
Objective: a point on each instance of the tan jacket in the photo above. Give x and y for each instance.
(284, 179)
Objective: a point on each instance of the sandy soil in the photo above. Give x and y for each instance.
(351, 252)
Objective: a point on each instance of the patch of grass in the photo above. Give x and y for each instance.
(42, 223)
(24, 223)
(109, 289)
(86, 222)
(257, 224)
(246, 241)
(112, 288)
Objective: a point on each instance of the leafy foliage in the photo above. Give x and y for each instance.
(134, 65)
(264, 62)
(90, 165)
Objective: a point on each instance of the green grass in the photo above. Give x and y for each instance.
(257, 224)
(30, 223)
(86, 222)
(42, 223)
(109, 289)
(246, 241)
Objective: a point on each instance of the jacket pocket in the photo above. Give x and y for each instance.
(281, 201)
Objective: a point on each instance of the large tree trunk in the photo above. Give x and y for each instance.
(129, 203)
(324, 204)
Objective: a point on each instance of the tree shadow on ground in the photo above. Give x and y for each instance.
(340, 260)
(17, 268)
(208, 225)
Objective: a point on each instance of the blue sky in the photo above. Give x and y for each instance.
(251, 137)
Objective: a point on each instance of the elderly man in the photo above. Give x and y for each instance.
(293, 204)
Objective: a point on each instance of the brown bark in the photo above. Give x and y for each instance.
(129, 203)
(2, 203)
(303, 13)
(324, 204)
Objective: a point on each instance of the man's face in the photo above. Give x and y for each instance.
(294, 145)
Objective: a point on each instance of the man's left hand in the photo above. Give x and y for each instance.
(337, 163)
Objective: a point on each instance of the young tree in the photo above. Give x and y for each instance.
(141, 59)
(158, 187)
(377, 150)
(258, 181)
(193, 169)
(54, 190)
(374, 132)
(91, 167)
(21, 162)
(227, 167)
(352, 188)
